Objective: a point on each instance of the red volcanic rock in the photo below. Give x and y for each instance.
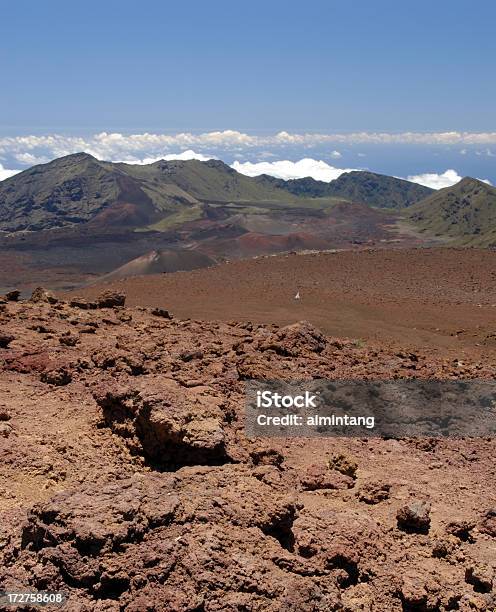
(82, 304)
(26, 362)
(461, 530)
(488, 523)
(161, 312)
(344, 543)
(296, 339)
(480, 576)
(374, 492)
(320, 477)
(69, 339)
(142, 491)
(166, 422)
(108, 299)
(5, 430)
(211, 534)
(111, 299)
(42, 295)
(58, 377)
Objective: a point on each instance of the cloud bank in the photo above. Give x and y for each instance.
(184, 156)
(436, 181)
(19, 152)
(286, 169)
(31, 149)
(439, 181)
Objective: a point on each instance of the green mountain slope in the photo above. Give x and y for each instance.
(358, 186)
(465, 212)
(79, 189)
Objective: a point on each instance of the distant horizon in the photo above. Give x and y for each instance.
(433, 159)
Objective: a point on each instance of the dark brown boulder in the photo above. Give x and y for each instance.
(13, 296)
(5, 339)
(111, 299)
(82, 304)
(58, 377)
(161, 312)
(414, 516)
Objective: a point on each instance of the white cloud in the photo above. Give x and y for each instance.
(30, 159)
(6, 173)
(436, 181)
(146, 147)
(113, 146)
(286, 169)
(184, 156)
(439, 181)
(189, 154)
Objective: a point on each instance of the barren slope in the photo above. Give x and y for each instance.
(438, 298)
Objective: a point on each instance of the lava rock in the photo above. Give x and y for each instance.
(42, 295)
(480, 576)
(5, 430)
(161, 312)
(294, 340)
(461, 530)
(488, 523)
(343, 464)
(414, 517)
(69, 339)
(13, 296)
(5, 339)
(165, 422)
(58, 377)
(374, 492)
(111, 299)
(4, 414)
(82, 304)
(320, 477)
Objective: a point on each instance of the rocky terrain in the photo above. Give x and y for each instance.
(127, 481)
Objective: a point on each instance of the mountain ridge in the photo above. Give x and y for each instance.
(360, 186)
(80, 189)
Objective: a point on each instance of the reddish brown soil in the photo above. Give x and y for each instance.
(438, 299)
(127, 481)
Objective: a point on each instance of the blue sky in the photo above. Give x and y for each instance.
(259, 68)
